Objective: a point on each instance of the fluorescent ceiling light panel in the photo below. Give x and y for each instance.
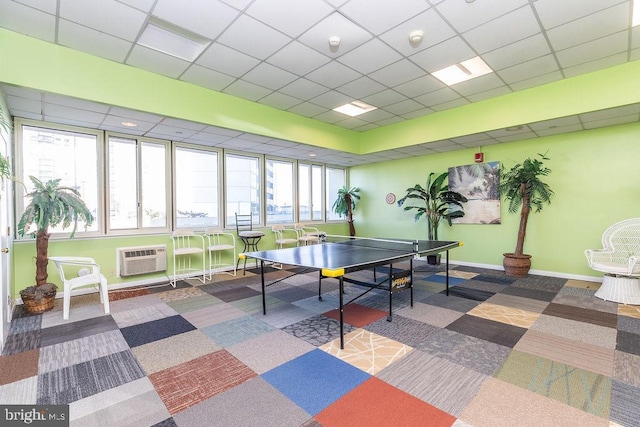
(466, 70)
(355, 108)
(635, 20)
(170, 39)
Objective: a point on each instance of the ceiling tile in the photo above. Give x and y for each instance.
(397, 73)
(247, 90)
(518, 52)
(478, 84)
(536, 81)
(465, 16)
(226, 60)
(331, 99)
(437, 97)
(253, 37)
(279, 13)
(54, 112)
(553, 13)
(442, 55)
(81, 104)
(384, 98)
(435, 29)
(527, 70)
(48, 6)
(205, 17)
(26, 20)
(269, 76)
(598, 64)
(596, 49)
(404, 107)
(303, 89)
(604, 23)
(298, 58)
(280, 101)
(205, 77)
(333, 74)
(370, 57)
(156, 62)
(143, 5)
(351, 35)
(420, 86)
(33, 106)
(307, 109)
(360, 88)
(509, 28)
(381, 15)
(91, 41)
(107, 16)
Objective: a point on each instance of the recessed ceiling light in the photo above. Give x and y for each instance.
(635, 20)
(355, 108)
(312, 154)
(129, 124)
(170, 39)
(466, 70)
(514, 128)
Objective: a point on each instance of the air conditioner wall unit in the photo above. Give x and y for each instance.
(142, 260)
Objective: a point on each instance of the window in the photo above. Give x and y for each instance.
(279, 191)
(138, 190)
(196, 188)
(336, 179)
(57, 152)
(310, 192)
(242, 187)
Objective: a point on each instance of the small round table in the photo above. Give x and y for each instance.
(250, 240)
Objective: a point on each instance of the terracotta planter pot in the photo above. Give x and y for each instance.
(516, 265)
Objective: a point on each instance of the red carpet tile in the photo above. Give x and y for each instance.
(376, 403)
(357, 315)
(192, 382)
(19, 366)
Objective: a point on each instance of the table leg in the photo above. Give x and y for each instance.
(264, 290)
(447, 280)
(341, 281)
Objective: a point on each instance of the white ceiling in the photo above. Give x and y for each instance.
(276, 52)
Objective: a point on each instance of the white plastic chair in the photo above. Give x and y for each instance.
(619, 260)
(186, 246)
(307, 235)
(88, 273)
(218, 243)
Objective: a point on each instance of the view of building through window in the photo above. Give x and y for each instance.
(137, 181)
(196, 176)
(69, 156)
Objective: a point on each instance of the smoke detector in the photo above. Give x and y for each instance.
(415, 37)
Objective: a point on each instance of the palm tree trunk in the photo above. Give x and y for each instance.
(524, 217)
(352, 228)
(42, 258)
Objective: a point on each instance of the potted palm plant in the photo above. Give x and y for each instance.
(523, 187)
(50, 205)
(345, 204)
(435, 202)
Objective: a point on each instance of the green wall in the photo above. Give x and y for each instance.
(594, 177)
(103, 250)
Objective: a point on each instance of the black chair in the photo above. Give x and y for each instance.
(249, 236)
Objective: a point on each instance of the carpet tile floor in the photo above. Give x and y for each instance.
(496, 351)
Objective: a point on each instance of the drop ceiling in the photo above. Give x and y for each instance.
(277, 53)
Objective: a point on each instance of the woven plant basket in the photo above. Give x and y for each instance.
(37, 300)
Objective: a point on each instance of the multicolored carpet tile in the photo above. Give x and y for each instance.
(496, 351)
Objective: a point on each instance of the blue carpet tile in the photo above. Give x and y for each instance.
(315, 380)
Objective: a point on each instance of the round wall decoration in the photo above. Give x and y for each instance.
(390, 198)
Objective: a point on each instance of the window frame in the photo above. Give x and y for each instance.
(168, 186)
(294, 188)
(311, 192)
(219, 176)
(330, 198)
(261, 191)
(25, 187)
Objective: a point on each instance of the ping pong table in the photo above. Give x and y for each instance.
(336, 256)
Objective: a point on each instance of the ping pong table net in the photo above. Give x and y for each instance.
(406, 246)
